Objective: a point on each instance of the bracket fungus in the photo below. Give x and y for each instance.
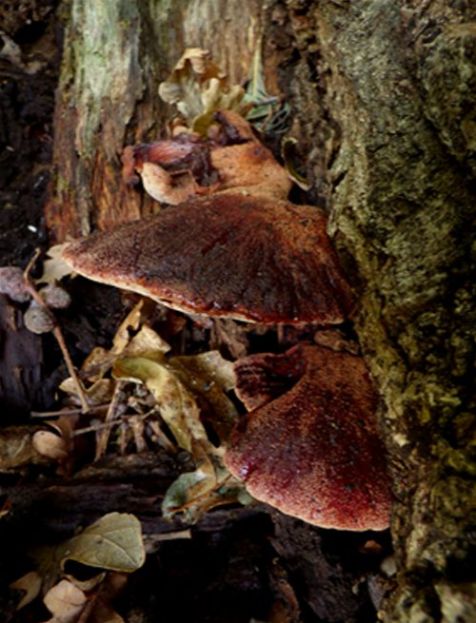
(241, 251)
(314, 452)
(234, 247)
(234, 256)
(231, 159)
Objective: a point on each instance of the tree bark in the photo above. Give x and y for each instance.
(115, 56)
(383, 97)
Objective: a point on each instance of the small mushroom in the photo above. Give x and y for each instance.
(236, 256)
(315, 452)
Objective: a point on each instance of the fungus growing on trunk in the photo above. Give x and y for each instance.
(235, 256)
(232, 159)
(244, 252)
(314, 452)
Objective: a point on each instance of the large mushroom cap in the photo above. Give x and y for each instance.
(315, 452)
(252, 259)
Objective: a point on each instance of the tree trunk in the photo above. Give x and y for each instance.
(383, 98)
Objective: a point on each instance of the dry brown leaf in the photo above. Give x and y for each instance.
(51, 445)
(211, 366)
(146, 343)
(208, 376)
(100, 392)
(110, 588)
(131, 322)
(30, 585)
(198, 88)
(16, 448)
(65, 602)
(54, 268)
(177, 406)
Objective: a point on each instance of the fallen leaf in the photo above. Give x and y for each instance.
(197, 87)
(114, 542)
(65, 602)
(177, 406)
(293, 163)
(146, 343)
(208, 376)
(55, 268)
(51, 445)
(100, 392)
(17, 449)
(131, 322)
(110, 588)
(30, 585)
(211, 366)
(209, 486)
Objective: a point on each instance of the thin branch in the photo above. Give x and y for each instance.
(36, 296)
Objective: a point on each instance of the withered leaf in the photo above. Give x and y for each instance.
(114, 542)
(177, 406)
(198, 87)
(209, 486)
(65, 602)
(146, 343)
(50, 444)
(54, 268)
(17, 449)
(131, 322)
(208, 376)
(292, 164)
(98, 393)
(30, 585)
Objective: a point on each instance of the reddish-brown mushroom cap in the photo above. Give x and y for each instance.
(315, 452)
(235, 256)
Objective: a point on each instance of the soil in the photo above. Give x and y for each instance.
(240, 564)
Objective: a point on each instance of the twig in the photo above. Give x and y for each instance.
(103, 436)
(36, 296)
(67, 412)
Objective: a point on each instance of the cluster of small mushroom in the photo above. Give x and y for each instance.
(234, 246)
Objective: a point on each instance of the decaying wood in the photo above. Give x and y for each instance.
(115, 56)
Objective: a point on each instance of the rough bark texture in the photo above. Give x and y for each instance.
(384, 92)
(384, 99)
(115, 56)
